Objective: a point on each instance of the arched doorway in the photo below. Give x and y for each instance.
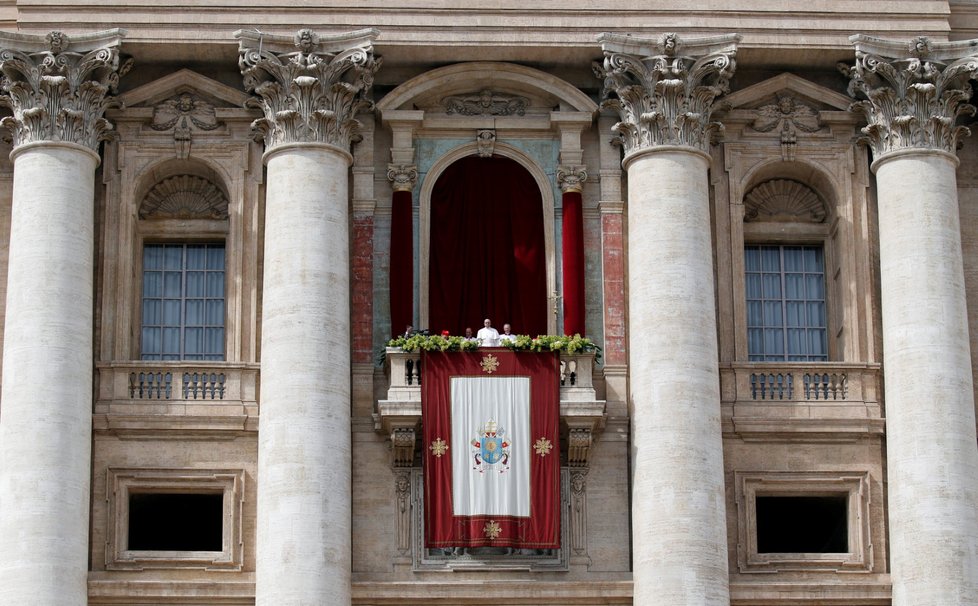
(487, 248)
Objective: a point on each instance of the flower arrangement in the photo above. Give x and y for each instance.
(421, 342)
(559, 343)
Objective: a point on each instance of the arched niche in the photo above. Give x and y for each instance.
(427, 188)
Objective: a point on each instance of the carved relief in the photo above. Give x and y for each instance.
(783, 200)
(912, 93)
(790, 116)
(312, 92)
(579, 512)
(486, 141)
(485, 103)
(403, 177)
(180, 113)
(402, 490)
(57, 94)
(664, 90)
(184, 197)
(571, 178)
(402, 443)
(578, 446)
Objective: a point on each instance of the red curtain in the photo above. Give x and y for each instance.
(487, 250)
(401, 263)
(541, 530)
(573, 257)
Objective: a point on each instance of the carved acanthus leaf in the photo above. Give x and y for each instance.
(485, 103)
(59, 88)
(783, 200)
(184, 197)
(664, 89)
(912, 94)
(311, 92)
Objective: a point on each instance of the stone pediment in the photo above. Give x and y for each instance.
(184, 81)
(803, 92)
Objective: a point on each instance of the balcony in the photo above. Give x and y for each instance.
(821, 401)
(399, 415)
(192, 396)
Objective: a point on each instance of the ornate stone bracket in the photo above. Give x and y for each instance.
(663, 89)
(571, 178)
(309, 86)
(486, 141)
(402, 445)
(791, 116)
(403, 177)
(58, 88)
(183, 113)
(913, 92)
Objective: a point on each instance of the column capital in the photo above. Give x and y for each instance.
(309, 86)
(58, 88)
(403, 177)
(664, 88)
(571, 178)
(912, 92)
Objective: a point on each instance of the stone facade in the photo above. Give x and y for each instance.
(686, 137)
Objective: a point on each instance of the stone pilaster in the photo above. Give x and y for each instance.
(911, 94)
(57, 89)
(663, 91)
(310, 88)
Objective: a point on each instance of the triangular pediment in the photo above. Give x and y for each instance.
(804, 91)
(184, 81)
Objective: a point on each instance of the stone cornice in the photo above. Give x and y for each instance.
(663, 89)
(912, 92)
(58, 87)
(309, 86)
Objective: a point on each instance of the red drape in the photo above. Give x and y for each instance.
(573, 257)
(541, 530)
(487, 250)
(401, 263)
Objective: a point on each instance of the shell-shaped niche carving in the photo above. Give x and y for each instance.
(184, 197)
(783, 200)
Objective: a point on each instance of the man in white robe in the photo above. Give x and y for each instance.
(487, 335)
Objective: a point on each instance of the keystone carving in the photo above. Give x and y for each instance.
(571, 178)
(485, 140)
(485, 103)
(181, 113)
(912, 94)
(58, 88)
(403, 177)
(309, 86)
(664, 89)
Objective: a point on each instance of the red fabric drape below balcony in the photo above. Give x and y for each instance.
(487, 248)
(573, 257)
(401, 263)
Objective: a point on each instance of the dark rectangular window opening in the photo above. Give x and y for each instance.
(806, 524)
(176, 522)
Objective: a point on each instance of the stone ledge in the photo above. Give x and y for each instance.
(105, 590)
(171, 427)
(514, 593)
(827, 593)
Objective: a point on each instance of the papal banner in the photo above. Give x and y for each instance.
(491, 453)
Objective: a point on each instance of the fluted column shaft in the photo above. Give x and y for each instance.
(911, 96)
(663, 90)
(310, 88)
(57, 90)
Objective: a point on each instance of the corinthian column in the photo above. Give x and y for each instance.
(663, 90)
(913, 92)
(310, 88)
(58, 91)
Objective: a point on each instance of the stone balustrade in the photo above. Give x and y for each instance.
(399, 415)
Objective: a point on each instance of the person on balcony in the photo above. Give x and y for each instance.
(488, 336)
(507, 334)
(469, 335)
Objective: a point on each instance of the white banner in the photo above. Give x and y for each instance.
(491, 446)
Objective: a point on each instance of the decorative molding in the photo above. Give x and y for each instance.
(571, 178)
(664, 89)
(578, 506)
(309, 86)
(403, 177)
(402, 446)
(913, 92)
(180, 113)
(486, 141)
(791, 116)
(783, 200)
(184, 197)
(485, 103)
(402, 491)
(58, 88)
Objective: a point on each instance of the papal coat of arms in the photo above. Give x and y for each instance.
(491, 448)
